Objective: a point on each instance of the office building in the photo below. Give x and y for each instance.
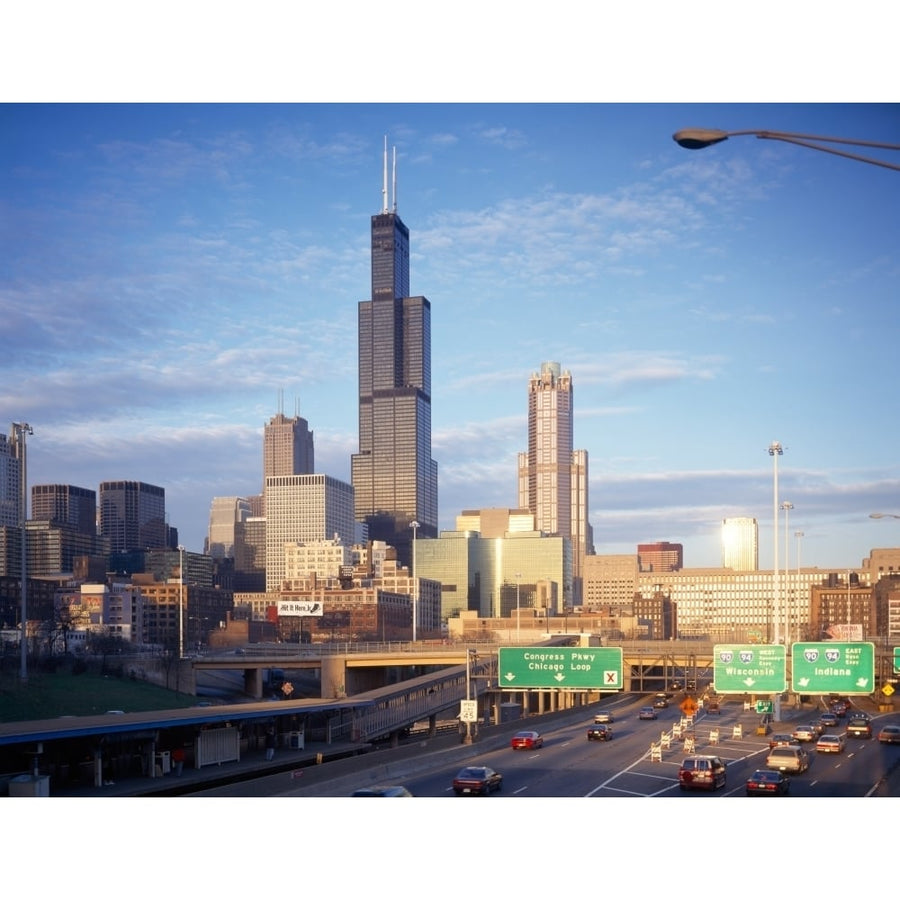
(393, 475)
(304, 509)
(493, 565)
(740, 544)
(133, 516)
(250, 554)
(224, 515)
(610, 581)
(553, 477)
(660, 557)
(65, 504)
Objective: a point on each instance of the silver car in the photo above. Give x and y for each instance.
(788, 759)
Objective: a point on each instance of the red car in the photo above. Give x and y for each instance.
(526, 740)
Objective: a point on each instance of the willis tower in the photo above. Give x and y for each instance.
(394, 477)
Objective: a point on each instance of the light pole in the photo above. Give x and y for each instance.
(180, 602)
(698, 138)
(518, 617)
(787, 506)
(20, 429)
(798, 535)
(415, 527)
(775, 450)
(468, 737)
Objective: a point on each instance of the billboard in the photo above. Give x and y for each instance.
(300, 608)
(846, 632)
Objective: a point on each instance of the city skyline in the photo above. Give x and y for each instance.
(175, 269)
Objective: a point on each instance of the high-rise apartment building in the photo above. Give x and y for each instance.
(393, 475)
(740, 544)
(553, 478)
(133, 516)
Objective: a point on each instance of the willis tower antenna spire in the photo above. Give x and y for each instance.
(394, 477)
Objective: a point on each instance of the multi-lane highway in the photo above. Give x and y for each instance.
(569, 765)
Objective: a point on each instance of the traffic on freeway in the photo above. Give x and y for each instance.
(644, 760)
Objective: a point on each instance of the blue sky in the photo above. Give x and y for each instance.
(169, 271)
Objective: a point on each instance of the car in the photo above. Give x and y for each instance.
(768, 781)
(675, 686)
(829, 720)
(830, 743)
(526, 740)
(805, 734)
(477, 780)
(859, 726)
(604, 716)
(701, 773)
(599, 732)
(788, 759)
(647, 712)
(889, 734)
(783, 740)
(712, 706)
(388, 790)
(660, 701)
(840, 708)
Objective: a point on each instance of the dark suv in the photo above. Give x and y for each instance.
(859, 726)
(701, 772)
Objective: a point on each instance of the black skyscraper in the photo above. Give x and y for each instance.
(394, 477)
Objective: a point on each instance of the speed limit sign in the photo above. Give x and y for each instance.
(468, 710)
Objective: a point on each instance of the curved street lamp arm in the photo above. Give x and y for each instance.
(833, 150)
(698, 138)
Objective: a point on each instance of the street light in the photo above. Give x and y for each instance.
(20, 429)
(787, 506)
(883, 516)
(415, 527)
(798, 535)
(775, 450)
(181, 602)
(518, 617)
(698, 138)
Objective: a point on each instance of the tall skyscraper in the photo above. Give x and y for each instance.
(553, 478)
(133, 516)
(287, 447)
(393, 475)
(10, 482)
(740, 544)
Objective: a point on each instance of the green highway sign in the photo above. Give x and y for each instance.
(765, 706)
(833, 667)
(574, 668)
(897, 660)
(749, 668)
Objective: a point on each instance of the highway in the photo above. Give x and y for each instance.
(568, 765)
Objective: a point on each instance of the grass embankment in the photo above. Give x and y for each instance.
(46, 695)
